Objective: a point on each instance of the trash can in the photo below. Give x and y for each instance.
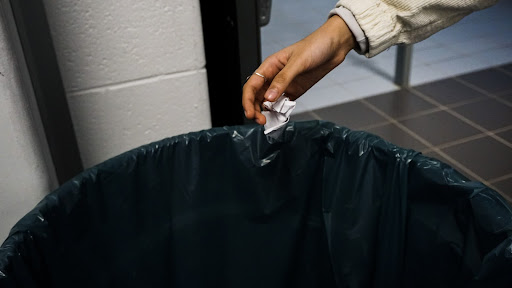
(323, 206)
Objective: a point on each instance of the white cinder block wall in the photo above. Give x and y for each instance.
(133, 71)
(24, 173)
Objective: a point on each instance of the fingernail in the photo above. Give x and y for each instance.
(245, 113)
(272, 94)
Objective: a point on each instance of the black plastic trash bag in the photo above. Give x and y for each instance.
(325, 207)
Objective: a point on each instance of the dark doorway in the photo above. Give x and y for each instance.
(231, 30)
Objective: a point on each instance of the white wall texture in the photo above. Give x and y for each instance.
(133, 72)
(24, 173)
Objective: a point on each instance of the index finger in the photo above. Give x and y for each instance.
(254, 85)
(250, 90)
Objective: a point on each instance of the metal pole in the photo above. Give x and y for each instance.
(403, 65)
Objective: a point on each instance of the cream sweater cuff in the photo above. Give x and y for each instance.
(376, 21)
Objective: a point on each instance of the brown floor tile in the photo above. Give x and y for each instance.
(507, 135)
(507, 97)
(439, 127)
(397, 136)
(449, 91)
(504, 187)
(353, 115)
(489, 113)
(400, 103)
(486, 157)
(435, 155)
(490, 80)
(507, 67)
(305, 116)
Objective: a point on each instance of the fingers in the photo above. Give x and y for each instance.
(251, 102)
(249, 99)
(256, 86)
(298, 67)
(258, 117)
(253, 96)
(282, 80)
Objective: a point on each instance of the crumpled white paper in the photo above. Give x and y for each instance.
(277, 114)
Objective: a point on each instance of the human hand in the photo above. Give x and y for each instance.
(296, 68)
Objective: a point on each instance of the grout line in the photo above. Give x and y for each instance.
(503, 70)
(419, 114)
(472, 86)
(413, 115)
(488, 94)
(502, 193)
(498, 179)
(377, 125)
(435, 109)
(462, 103)
(461, 141)
(440, 108)
(473, 137)
(428, 150)
(503, 129)
(428, 144)
(314, 115)
(134, 82)
(503, 101)
(504, 93)
(464, 119)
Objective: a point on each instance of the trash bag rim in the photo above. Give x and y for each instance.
(238, 133)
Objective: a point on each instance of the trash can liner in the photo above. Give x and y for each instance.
(322, 207)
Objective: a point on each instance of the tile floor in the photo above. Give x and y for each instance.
(481, 40)
(464, 121)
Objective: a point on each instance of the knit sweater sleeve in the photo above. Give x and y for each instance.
(389, 22)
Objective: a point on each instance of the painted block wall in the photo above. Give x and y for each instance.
(133, 71)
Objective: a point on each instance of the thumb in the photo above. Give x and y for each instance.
(281, 82)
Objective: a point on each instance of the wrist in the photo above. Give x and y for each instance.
(341, 36)
(359, 35)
